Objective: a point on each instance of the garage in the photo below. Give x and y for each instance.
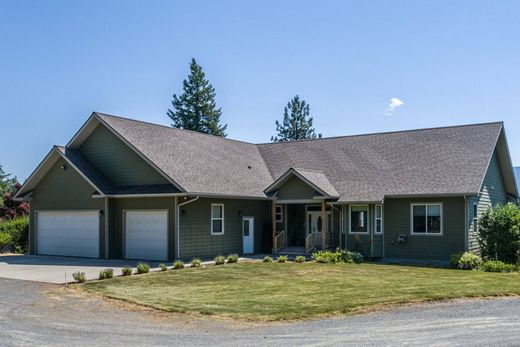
(146, 235)
(68, 233)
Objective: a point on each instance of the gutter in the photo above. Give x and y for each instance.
(178, 225)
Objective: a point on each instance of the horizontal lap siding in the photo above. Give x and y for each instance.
(62, 190)
(295, 189)
(429, 247)
(362, 242)
(195, 231)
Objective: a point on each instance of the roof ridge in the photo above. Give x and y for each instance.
(309, 170)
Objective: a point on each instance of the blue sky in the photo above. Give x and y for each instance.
(448, 62)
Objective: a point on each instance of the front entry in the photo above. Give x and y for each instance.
(248, 235)
(315, 224)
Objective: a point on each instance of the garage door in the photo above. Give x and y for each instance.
(146, 235)
(70, 233)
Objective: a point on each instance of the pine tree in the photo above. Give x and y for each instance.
(195, 109)
(297, 125)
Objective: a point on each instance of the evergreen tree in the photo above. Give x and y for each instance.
(195, 109)
(297, 122)
(6, 184)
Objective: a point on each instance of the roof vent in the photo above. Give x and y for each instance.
(249, 167)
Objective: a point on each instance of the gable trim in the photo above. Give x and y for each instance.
(282, 179)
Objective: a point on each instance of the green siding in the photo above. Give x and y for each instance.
(195, 232)
(295, 188)
(492, 192)
(296, 225)
(363, 242)
(62, 190)
(116, 234)
(118, 161)
(429, 247)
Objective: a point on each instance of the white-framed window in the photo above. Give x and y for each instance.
(279, 214)
(358, 219)
(475, 217)
(217, 219)
(426, 219)
(378, 219)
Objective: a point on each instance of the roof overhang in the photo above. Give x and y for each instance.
(294, 172)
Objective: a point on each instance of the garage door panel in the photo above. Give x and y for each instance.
(69, 233)
(146, 235)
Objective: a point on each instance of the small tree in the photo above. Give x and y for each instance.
(499, 233)
(297, 122)
(11, 208)
(195, 109)
(7, 183)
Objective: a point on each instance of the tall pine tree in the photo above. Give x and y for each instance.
(195, 109)
(297, 122)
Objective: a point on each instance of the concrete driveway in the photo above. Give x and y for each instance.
(57, 269)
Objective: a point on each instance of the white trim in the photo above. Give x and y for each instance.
(380, 218)
(426, 204)
(295, 201)
(293, 171)
(475, 216)
(281, 213)
(251, 234)
(350, 220)
(221, 219)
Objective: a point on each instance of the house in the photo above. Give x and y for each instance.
(127, 189)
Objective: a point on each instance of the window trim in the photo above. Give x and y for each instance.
(475, 217)
(426, 204)
(212, 219)
(279, 213)
(380, 218)
(350, 220)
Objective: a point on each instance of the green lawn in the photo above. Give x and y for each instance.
(259, 291)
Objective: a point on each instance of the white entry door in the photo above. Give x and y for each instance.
(69, 233)
(146, 235)
(248, 234)
(315, 224)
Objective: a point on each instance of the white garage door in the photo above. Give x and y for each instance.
(69, 233)
(146, 235)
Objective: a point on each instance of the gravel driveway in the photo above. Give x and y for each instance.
(34, 313)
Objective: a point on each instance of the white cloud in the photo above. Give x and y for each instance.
(394, 103)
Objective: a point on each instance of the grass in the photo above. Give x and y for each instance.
(263, 291)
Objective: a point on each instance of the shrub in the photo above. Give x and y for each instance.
(300, 259)
(497, 266)
(143, 268)
(163, 267)
(282, 258)
(499, 233)
(126, 271)
(220, 260)
(267, 259)
(178, 265)
(232, 258)
(106, 274)
(466, 261)
(79, 277)
(196, 262)
(18, 231)
(5, 240)
(326, 257)
(338, 256)
(350, 256)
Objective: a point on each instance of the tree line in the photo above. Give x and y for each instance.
(195, 109)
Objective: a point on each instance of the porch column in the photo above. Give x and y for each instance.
(273, 219)
(324, 226)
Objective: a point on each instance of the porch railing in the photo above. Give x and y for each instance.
(279, 241)
(310, 242)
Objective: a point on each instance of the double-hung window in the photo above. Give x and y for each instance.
(217, 219)
(358, 219)
(279, 214)
(475, 217)
(378, 218)
(426, 219)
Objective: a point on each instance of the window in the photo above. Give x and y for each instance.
(379, 219)
(279, 214)
(427, 219)
(475, 217)
(358, 219)
(217, 219)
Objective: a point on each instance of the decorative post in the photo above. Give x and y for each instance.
(273, 219)
(324, 226)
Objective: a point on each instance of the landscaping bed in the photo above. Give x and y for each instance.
(288, 291)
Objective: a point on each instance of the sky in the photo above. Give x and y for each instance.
(363, 66)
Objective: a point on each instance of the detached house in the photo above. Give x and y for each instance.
(127, 189)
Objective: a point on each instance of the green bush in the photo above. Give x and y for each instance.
(300, 259)
(106, 274)
(466, 261)
(497, 266)
(79, 277)
(220, 260)
(18, 230)
(499, 233)
(232, 258)
(5, 239)
(178, 265)
(350, 256)
(338, 256)
(282, 258)
(143, 268)
(267, 259)
(126, 271)
(163, 267)
(196, 262)
(325, 257)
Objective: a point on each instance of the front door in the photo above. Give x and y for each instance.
(315, 224)
(248, 235)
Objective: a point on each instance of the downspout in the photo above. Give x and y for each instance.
(178, 226)
(466, 224)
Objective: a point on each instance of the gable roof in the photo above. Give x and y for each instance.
(315, 179)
